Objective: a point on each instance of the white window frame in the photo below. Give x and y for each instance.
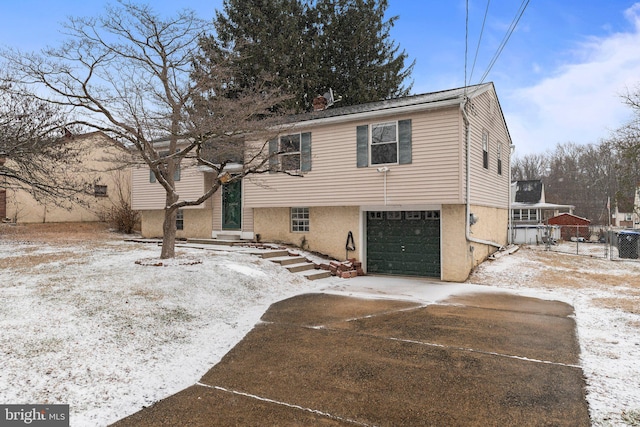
(395, 142)
(284, 154)
(485, 149)
(299, 220)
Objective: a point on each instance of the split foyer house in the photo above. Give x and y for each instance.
(100, 168)
(415, 186)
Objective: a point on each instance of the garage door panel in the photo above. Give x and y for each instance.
(404, 243)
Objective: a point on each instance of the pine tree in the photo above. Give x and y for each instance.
(312, 46)
(358, 59)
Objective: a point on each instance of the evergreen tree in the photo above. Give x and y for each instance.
(264, 38)
(311, 46)
(358, 59)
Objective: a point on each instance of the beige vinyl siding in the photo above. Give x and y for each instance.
(334, 180)
(487, 187)
(146, 195)
(100, 164)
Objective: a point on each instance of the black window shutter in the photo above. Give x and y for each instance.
(273, 158)
(404, 141)
(362, 144)
(305, 152)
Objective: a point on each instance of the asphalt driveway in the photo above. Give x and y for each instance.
(481, 359)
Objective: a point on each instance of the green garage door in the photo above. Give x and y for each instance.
(404, 243)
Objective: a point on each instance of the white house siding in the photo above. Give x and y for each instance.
(434, 176)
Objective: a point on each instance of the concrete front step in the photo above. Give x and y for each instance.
(303, 266)
(218, 241)
(287, 260)
(315, 274)
(275, 254)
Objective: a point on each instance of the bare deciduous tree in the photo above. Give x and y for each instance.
(130, 74)
(35, 154)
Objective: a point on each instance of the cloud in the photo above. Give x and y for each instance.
(580, 102)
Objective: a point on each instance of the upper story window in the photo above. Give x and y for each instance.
(384, 143)
(499, 155)
(485, 149)
(290, 153)
(176, 174)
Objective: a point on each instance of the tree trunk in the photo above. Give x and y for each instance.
(169, 230)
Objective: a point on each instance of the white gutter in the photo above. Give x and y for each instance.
(467, 230)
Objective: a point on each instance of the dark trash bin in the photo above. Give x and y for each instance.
(629, 244)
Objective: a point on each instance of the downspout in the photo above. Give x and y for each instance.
(467, 229)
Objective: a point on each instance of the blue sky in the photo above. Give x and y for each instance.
(559, 78)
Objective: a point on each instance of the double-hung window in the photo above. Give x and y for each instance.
(176, 174)
(499, 155)
(383, 143)
(485, 149)
(290, 153)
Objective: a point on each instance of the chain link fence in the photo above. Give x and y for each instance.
(594, 241)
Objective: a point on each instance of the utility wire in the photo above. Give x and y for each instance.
(466, 44)
(512, 27)
(484, 20)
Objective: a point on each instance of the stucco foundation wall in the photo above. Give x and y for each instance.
(459, 256)
(456, 257)
(328, 229)
(197, 224)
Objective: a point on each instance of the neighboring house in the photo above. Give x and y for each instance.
(572, 227)
(107, 185)
(530, 213)
(409, 186)
(628, 219)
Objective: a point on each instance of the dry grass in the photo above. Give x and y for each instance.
(558, 270)
(60, 233)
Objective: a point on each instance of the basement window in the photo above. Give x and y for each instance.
(180, 220)
(299, 220)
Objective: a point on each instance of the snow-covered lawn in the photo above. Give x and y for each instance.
(83, 324)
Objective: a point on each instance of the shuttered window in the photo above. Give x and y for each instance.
(384, 143)
(290, 153)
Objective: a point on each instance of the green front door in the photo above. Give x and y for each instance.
(232, 206)
(404, 243)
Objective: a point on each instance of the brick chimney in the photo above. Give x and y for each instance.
(319, 103)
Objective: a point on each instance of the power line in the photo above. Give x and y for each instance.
(484, 20)
(512, 27)
(466, 42)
